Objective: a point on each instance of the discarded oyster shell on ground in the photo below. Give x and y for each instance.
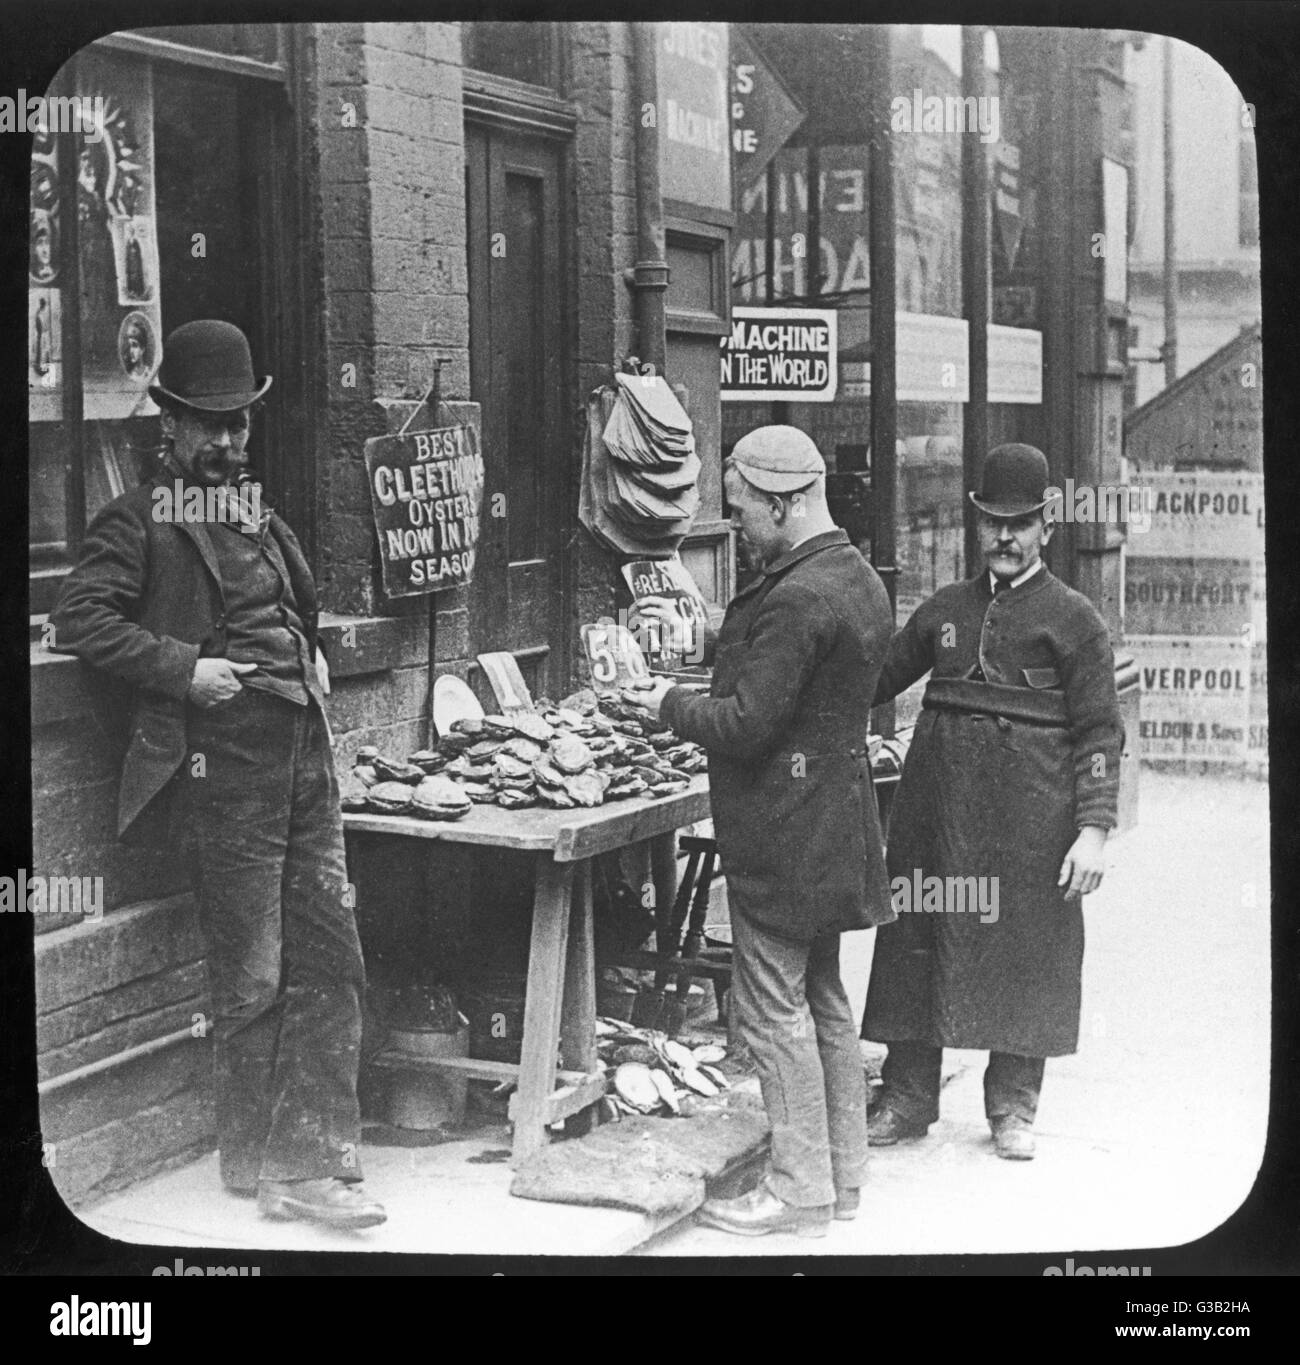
(635, 1086)
(392, 798)
(667, 1091)
(709, 1054)
(716, 1077)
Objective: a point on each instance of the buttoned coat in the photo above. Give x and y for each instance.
(785, 726)
(143, 604)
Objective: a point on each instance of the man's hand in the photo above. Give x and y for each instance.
(653, 698)
(323, 673)
(1085, 863)
(677, 633)
(216, 680)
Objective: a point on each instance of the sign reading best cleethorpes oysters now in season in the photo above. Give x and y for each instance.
(426, 489)
(781, 353)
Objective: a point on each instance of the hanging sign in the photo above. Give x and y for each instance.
(693, 114)
(426, 490)
(763, 114)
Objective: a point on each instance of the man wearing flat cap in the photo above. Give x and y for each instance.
(197, 611)
(785, 725)
(1008, 792)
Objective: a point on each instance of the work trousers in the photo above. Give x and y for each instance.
(912, 1073)
(262, 829)
(795, 1016)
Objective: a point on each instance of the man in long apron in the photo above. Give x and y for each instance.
(1007, 796)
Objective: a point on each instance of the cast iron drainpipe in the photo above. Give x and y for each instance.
(648, 278)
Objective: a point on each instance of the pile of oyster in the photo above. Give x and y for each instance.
(652, 1072)
(586, 750)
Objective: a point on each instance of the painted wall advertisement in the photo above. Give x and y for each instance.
(694, 115)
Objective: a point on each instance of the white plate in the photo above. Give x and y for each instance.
(453, 701)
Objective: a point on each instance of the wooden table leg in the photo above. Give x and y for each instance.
(578, 1014)
(552, 896)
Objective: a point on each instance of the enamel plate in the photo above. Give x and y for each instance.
(453, 701)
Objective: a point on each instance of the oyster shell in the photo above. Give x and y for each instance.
(667, 1091)
(428, 760)
(479, 792)
(635, 1086)
(709, 1054)
(468, 725)
(392, 798)
(511, 799)
(439, 798)
(507, 765)
(585, 788)
(552, 796)
(526, 750)
(367, 753)
(365, 774)
(482, 750)
(531, 727)
(393, 770)
(570, 755)
(497, 727)
(548, 775)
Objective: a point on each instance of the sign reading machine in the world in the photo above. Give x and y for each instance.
(780, 353)
(426, 489)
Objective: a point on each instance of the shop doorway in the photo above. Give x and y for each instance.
(516, 230)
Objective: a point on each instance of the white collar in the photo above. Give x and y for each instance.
(1021, 578)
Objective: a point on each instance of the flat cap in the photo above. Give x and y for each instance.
(778, 459)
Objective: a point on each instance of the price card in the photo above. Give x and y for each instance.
(614, 658)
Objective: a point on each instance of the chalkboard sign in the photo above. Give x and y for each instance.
(426, 489)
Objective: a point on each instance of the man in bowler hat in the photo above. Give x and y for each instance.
(200, 615)
(1012, 779)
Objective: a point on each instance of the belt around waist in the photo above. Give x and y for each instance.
(1031, 705)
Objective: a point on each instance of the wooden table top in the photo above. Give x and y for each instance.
(568, 835)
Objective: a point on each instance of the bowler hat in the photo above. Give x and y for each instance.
(207, 365)
(778, 459)
(1014, 481)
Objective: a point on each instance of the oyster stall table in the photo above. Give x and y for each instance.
(560, 997)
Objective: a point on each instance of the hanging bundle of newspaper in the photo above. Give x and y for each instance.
(640, 473)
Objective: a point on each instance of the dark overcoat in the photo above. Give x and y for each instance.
(142, 606)
(785, 726)
(1001, 775)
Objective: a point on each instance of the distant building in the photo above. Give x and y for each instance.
(1216, 200)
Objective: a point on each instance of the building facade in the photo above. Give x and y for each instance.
(371, 202)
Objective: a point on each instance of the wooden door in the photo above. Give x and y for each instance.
(518, 372)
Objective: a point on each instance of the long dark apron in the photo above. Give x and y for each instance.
(983, 796)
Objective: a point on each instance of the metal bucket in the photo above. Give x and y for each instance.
(422, 1100)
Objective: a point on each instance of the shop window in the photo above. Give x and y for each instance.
(152, 221)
